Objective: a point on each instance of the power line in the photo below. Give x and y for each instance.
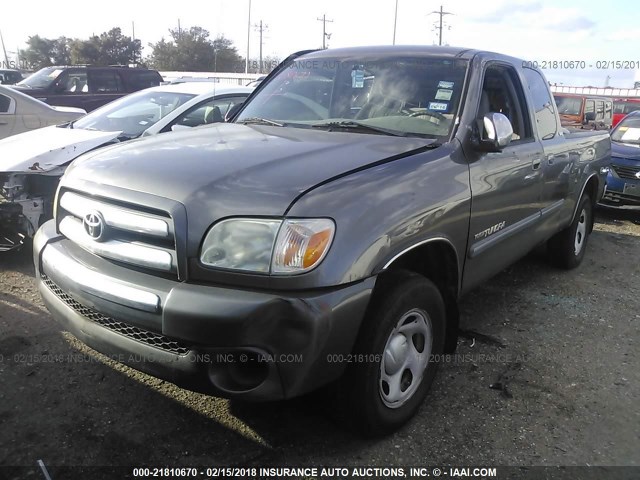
(325, 35)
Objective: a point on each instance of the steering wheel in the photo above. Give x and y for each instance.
(428, 113)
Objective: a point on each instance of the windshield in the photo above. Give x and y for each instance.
(134, 113)
(389, 95)
(569, 105)
(42, 78)
(627, 131)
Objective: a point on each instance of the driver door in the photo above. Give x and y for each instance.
(506, 185)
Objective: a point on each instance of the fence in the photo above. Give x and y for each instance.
(600, 91)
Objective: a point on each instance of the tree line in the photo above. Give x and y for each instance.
(189, 49)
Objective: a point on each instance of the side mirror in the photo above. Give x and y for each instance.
(179, 128)
(589, 117)
(233, 111)
(497, 132)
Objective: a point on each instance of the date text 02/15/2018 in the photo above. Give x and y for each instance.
(582, 64)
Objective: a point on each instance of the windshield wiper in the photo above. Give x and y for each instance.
(351, 125)
(260, 121)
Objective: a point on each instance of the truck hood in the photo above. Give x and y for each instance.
(44, 149)
(232, 169)
(625, 150)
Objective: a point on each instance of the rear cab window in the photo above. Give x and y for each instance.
(542, 103)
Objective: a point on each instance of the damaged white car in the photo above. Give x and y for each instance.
(32, 163)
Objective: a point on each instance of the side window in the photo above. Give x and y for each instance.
(589, 106)
(105, 81)
(542, 104)
(502, 93)
(72, 82)
(599, 110)
(143, 79)
(7, 105)
(607, 109)
(210, 111)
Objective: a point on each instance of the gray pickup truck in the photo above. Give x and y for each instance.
(325, 234)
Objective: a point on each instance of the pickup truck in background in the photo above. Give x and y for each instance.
(325, 235)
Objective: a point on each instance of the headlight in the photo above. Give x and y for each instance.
(241, 244)
(268, 246)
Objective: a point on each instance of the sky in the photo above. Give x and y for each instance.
(537, 30)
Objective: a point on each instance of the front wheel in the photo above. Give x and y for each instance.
(398, 341)
(567, 248)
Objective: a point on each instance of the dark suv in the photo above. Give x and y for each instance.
(86, 87)
(9, 77)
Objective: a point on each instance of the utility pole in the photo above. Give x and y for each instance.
(325, 35)
(6, 58)
(261, 28)
(179, 31)
(133, 39)
(442, 14)
(395, 22)
(246, 60)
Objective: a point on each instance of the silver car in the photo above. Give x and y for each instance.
(21, 113)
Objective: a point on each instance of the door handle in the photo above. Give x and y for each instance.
(536, 164)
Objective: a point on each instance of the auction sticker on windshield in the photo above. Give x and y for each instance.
(438, 106)
(445, 84)
(443, 94)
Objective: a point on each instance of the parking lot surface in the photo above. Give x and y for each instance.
(546, 373)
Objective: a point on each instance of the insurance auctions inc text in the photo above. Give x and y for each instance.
(352, 472)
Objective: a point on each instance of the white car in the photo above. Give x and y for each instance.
(21, 113)
(32, 163)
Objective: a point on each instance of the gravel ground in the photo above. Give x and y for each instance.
(546, 373)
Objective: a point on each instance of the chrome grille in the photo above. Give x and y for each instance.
(138, 334)
(117, 232)
(625, 171)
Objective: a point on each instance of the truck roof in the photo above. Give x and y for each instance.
(424, 51)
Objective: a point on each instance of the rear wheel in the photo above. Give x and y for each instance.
(393, 365)
(567, 248)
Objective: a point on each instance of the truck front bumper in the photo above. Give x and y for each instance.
(218, 340)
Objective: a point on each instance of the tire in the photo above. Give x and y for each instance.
(385, 389)
(567, 248)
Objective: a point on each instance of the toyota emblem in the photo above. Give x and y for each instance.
(638, 174)
(93, 224)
